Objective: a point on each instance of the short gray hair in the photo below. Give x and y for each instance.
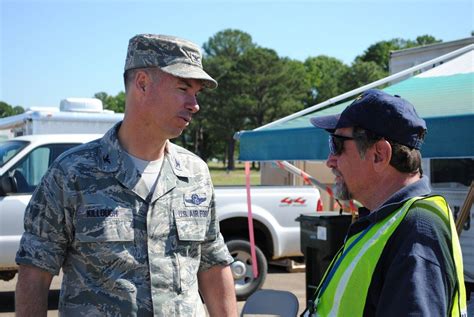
(404, 159)
(130, 74)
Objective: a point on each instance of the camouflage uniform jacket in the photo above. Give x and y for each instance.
(124, 252)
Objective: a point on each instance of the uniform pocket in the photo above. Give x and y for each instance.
(191, 229)
(191, 216)
(191, 232)
(102, 224)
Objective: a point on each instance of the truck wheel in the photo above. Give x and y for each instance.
(245, 283)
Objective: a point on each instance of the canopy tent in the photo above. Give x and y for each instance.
(443, 96)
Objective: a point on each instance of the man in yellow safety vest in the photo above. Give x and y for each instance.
(402, 256)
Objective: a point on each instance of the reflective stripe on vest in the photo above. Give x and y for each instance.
(346, 292)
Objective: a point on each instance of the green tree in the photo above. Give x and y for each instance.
(271, 87)
(114, 103)
(228, 43)
(426, 40)
(259, 88)
(7, 110)
(211, 132)
(221, 115)
(362, 73)
(325, 75)
(380, 51)
(256, 86)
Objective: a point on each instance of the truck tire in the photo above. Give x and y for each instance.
(245, 283)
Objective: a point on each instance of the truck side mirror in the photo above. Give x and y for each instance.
(7, 185)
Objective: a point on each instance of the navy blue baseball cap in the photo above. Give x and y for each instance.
(387, 116)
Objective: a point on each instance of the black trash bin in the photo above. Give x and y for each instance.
(322, 235)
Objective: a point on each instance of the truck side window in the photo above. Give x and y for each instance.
(29, 171)
(452, 172)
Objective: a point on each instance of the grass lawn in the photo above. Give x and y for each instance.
(220, 176)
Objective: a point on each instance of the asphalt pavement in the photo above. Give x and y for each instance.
(277, 278)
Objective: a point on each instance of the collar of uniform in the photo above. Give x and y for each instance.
(176, 160)
(112, 159)
(110, 151)
(418, 188)
(111, 154)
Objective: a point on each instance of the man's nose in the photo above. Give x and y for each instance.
(331, 162)
(192, 105)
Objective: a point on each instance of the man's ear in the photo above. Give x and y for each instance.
(142, 81)
(382, 154)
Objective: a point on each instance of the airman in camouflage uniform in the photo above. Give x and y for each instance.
(125, 250)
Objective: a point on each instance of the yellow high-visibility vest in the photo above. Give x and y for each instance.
(344, 287)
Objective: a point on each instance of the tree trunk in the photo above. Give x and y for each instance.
(183, 141)
(197, 141)
(199, 144)
(230, 158)
(224, 160)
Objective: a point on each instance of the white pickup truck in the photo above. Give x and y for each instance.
(24, 160)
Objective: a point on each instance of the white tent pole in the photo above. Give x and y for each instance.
(363, 88)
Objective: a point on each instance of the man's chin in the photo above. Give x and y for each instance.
(341, 192)
(175, 133)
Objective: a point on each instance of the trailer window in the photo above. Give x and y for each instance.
(9, 149)
(453, 172)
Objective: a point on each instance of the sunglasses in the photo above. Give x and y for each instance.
(336, 143)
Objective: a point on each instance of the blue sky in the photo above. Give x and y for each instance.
(52, 49)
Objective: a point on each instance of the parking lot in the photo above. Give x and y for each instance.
(277, 278)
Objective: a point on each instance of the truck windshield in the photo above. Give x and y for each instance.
(9, 149)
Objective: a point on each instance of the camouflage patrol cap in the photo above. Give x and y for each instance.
(175, 56)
